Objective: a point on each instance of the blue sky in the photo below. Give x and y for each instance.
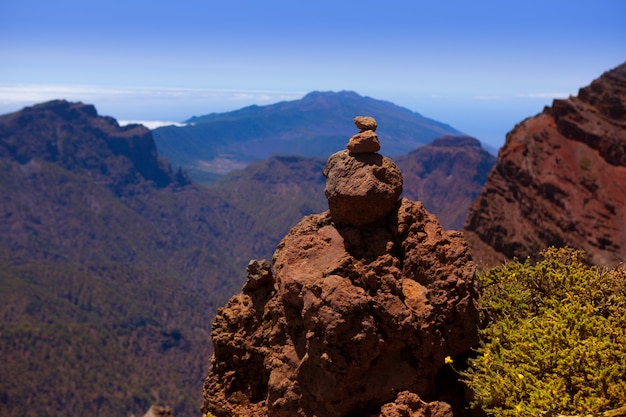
(480, 66)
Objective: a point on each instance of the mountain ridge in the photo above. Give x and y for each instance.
(111, 267)
(314, 126)
(560, 180)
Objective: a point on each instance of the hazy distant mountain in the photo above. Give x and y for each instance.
(317, 125)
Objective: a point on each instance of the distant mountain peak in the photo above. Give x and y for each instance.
(66, 108)
(317, 125)
(339, 94)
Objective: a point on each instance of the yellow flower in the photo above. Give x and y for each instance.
(448, 360)
(520, 376)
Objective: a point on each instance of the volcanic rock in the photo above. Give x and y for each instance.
(560, 180)
(361, 188)
(365, 302)
(356, 316)
(259, 274)
(365, 123)
(409, 404)
(364, 142)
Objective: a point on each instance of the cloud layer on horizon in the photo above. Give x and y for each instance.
(15, 96)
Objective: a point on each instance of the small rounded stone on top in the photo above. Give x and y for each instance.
(365, 123)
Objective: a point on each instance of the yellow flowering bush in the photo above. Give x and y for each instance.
(553, 338)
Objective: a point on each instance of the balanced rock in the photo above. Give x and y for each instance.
(365, 304)
(361, 188)
(364, 142)
(365, 123)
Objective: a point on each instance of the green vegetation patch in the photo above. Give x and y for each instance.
(554, 340)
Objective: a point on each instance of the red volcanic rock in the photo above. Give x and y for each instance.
(364, 304)
(355, 321)
(365, 123)
(410, 405)
(364, 142)
(361, 188)
(560, 180)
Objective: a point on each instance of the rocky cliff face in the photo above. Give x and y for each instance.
(73, 136)
(357, 312)
(560, 180)
(446, 176)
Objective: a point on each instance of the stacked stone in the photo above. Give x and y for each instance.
(356, 313)
(362, 186)
(366, 140)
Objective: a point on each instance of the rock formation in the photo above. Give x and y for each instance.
(560, 180)
(362, 186)
(355, 315)
(84, 143)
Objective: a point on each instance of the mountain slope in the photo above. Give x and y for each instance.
(561, 179)
(446, 176)
(111, 267)
(276, 193)
(314, 126)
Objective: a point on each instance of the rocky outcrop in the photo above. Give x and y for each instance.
(362, 186)
(351, 318)
(73, 136)
(560, 179)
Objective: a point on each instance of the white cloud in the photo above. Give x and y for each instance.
(150, 124)
(141, 103)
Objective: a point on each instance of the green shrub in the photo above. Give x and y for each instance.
(553, 340)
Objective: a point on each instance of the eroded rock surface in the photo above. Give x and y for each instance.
(560, 180)
(361, 188)
(356, 315)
